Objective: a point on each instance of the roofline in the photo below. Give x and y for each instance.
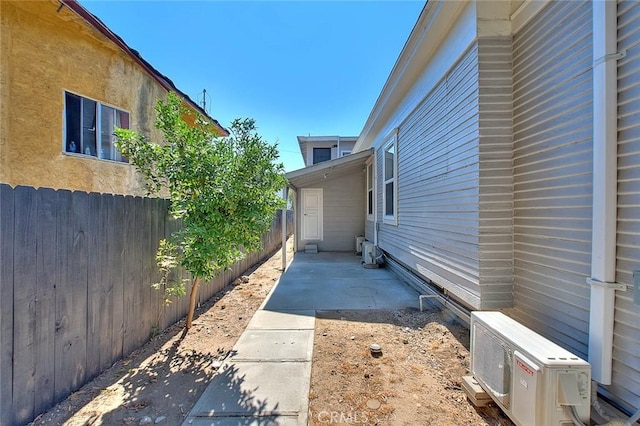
(431, 25)
(326, 138)
(161, 79)
(329, 164)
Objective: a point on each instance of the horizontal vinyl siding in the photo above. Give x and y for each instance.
(552, 169)
(343, 212)
(369, 229)
(626, 341)
(437, 232)
(496, 172)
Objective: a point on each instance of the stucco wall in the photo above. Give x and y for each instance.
(44, 53)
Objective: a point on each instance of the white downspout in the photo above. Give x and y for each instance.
(285, 193)
(603, 250)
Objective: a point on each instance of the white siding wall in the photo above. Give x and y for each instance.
(626, 342)
(552, 167)
(437, 234)
(496, 172)
(343, 212)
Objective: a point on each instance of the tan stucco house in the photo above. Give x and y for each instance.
(66, 80)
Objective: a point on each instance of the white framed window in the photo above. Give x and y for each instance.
(88, 128)
(371, 191)
(390, 180)
(345, 152)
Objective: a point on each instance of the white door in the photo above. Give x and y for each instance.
(312, 214)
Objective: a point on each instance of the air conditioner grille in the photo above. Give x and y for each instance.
(493, 367)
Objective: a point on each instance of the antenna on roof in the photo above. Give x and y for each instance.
(203, 101)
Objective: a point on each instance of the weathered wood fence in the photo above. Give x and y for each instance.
(75, 289)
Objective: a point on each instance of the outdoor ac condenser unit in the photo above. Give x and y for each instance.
(368, 253)
(533, 380)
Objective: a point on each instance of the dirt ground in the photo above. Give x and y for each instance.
(416, 381)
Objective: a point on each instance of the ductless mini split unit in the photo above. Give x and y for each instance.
(533, 380)
(368, 253)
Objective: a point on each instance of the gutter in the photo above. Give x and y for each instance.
(161, 79)
(603, 249)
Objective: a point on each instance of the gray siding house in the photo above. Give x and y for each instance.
(500, 168)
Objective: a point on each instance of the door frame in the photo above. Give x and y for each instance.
(303, 193)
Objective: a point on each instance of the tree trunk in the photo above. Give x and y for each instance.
(192, 301)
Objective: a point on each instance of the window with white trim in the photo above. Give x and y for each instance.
(89, 128)
(370, 192)
(390, 178)
(345, 152)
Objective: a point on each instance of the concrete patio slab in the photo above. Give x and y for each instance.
(317, 293)
(290, 320)
(254, 390)
(247, 421)
(266, 381)
(274, 345)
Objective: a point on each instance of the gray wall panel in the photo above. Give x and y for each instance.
(626, 340)
(438, 171)
(343, 212)
(552, 172)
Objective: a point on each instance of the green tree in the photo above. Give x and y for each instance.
(224, 189)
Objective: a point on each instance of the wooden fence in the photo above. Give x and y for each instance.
(75, 289)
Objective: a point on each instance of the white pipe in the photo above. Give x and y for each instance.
(285, 192)
(603, 251)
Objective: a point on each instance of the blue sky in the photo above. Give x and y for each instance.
(297, 68)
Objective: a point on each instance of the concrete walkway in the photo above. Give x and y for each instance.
(266, 379)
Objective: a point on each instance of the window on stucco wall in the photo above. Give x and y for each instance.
(89, 128)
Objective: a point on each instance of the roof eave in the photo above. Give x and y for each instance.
(320, 168)
(161, 79)
(431, 26)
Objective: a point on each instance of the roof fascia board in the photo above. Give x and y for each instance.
(432, 27)
(326, 165)
(525, 13)
(167, 84)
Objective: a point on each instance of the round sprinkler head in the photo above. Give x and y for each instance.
(376, 350)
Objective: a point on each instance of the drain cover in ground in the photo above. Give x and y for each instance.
(374, 404)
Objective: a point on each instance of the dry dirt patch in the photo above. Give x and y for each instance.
(162, 381)
(416, 380)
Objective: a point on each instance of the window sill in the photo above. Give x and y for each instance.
(390, 220)
(91, 157)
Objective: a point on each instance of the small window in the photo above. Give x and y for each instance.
(321, 154)
(390, 175)
(89, 128)
(370, 192)
(344, 153)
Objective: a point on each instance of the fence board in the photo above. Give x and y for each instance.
(113, 272)
(104, 284)
(130, 265)
(95, 295)
(149, 241)
(75, 291)
(6, 303)
(45, 299)
(139, 336)
(24, 304)
(62, 383)
(77, 267)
